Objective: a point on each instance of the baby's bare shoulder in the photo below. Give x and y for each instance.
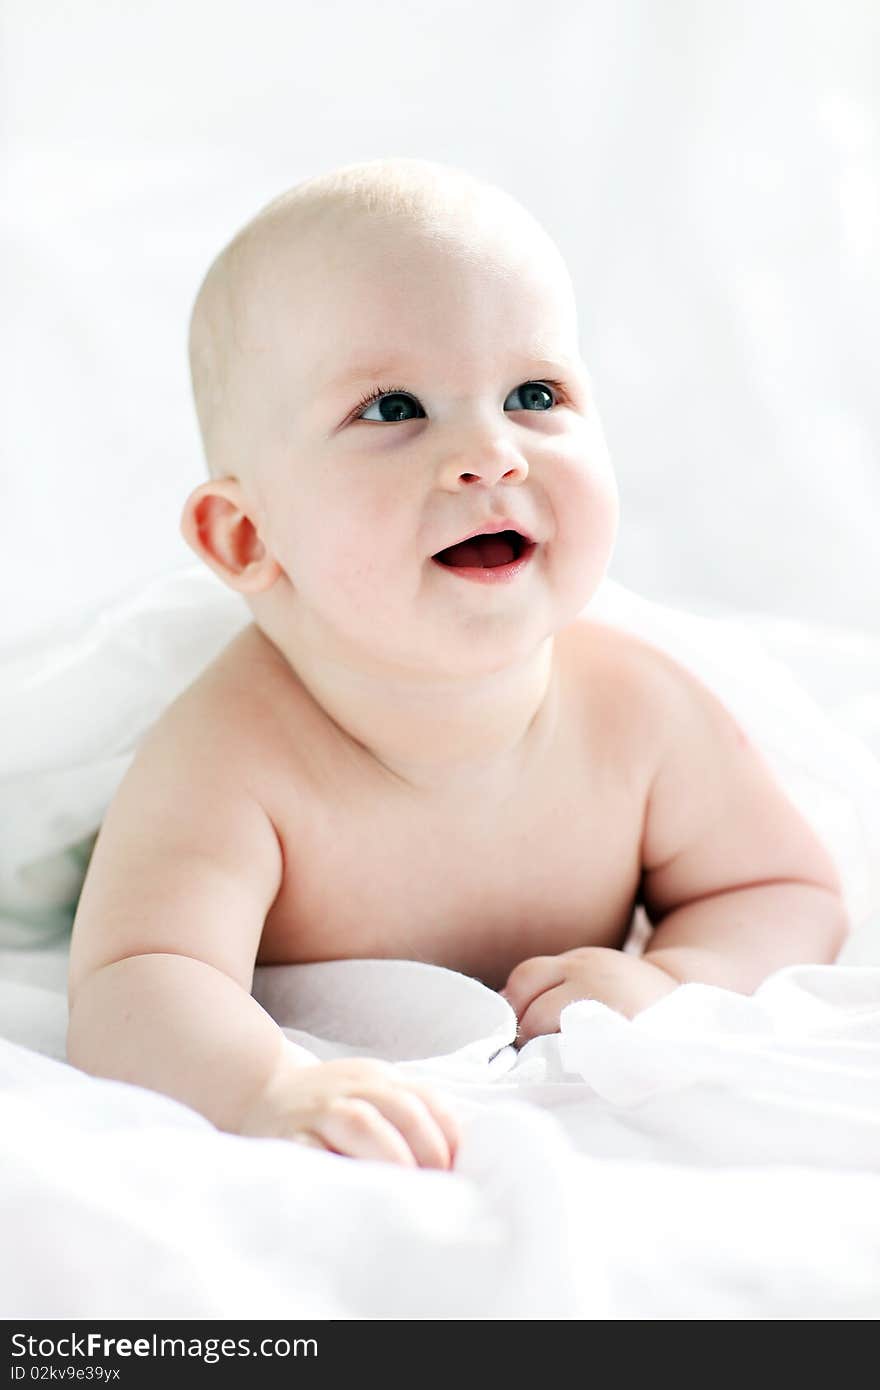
(250, 716)
(200, 770)
(714, 807)
(631, 688)
(638, 663)
(186, 841)
(234, 699)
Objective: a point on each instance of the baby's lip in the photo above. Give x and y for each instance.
(490, 527)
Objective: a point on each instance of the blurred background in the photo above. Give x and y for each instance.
(709, 171)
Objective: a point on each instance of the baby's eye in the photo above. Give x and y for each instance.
(391, 405)
(400, 405)
(532, 392)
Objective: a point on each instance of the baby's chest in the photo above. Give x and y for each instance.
(472, 889)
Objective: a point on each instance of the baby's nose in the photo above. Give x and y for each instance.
(493, 462)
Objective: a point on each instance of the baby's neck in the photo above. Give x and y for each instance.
(468, 735)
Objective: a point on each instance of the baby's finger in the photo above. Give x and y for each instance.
(443, 1114)
(421, 1129)
(354, 1126)
(531, 978)
(542, 1016)
(309, 1140)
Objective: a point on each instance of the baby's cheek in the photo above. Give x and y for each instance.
(355, 567)
(596, 511)
(585, 482)
(581, 549)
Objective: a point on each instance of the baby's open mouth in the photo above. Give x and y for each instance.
(484, 551)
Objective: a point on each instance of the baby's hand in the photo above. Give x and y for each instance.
(359, 1107)
(539, 988)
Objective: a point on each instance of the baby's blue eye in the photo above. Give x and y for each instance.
(400, 405)
(393, 405)
(531, 393)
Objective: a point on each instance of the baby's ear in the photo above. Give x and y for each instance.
(216, 525)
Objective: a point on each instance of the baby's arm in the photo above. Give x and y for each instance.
(182, 876)
(734, 880)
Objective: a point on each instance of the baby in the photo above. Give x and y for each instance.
(422, 747)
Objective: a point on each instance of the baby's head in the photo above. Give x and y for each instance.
(324, 509)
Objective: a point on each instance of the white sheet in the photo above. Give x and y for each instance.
(716, 1157)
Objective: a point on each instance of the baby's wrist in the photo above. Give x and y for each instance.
(272, 1099)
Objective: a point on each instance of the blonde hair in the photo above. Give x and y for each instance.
(437, 199)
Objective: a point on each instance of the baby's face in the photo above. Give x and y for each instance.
(483, 413)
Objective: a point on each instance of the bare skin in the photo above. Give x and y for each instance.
(392, 760)
(474, 878)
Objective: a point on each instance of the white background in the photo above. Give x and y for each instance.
(709, 171)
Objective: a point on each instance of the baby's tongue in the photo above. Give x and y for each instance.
(479, 551)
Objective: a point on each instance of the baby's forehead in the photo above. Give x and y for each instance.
(346, 281)
(327, 239)
(324, 226)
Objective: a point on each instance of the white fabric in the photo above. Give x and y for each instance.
(790, 1073)
(716, 1157)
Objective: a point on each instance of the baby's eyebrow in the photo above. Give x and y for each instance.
(357, 372)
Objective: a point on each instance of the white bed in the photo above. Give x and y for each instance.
(717, 1157)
